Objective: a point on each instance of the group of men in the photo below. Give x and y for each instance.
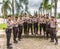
(35, 23)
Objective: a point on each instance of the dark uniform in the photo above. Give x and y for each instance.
(15, 29)
(47, 28)
(53, 26)
(30, 25)
(41, 24)
(8, 31)
(20, 28)
(44, 25)
(25, 26)
(35, 26)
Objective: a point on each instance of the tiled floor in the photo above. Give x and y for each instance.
(30, 43)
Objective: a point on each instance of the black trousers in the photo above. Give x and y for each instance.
(8, 36)
(44, 29)
(47, 32)
(30, 27)
(36, 28)
(15, 33)
(41, 27)
(53, 34)
(20, 31)
(25, 28)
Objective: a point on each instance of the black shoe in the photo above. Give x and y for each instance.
(15, 41)
(10, 44)
(52, 41)
(9, 47)
(19, 40)
(56, 43)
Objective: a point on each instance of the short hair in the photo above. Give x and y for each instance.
(52, 17)
(25, 14)
(20, 15)
(47, 17)
(9, 15)
(16, 17)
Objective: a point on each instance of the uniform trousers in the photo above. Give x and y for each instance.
(8, 35)
(30, 27)
(36, 28)
(20, 28)
(44, 28)
(15, 33)
(25, 28)
(53, 34)
(41, 27)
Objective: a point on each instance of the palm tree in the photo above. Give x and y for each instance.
(40, 8)
(19, 6)
(55, 8)
(13, 9)
(25, 2)
(43, 5)
(5, 8)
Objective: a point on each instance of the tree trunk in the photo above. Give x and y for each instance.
(50, 12)
(55, 14)
(13, 9)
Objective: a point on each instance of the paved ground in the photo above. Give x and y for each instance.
(30, 43)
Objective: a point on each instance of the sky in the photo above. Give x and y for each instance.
(34, 5)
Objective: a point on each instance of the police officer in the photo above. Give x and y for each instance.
(44, 25)
(41, 23)
(54, 29)
(15, 29)
(30, 24)
(47, 27)
(8, 30)
(25, 24)
(35, 25)
(20, 27)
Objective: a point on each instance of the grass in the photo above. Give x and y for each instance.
(2, 26)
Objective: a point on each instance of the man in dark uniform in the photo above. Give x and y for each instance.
(20, 27)
(15, 29)
(47, 27)
(54, 29)
(25, 24)
(44, 25)
(8, 31)
(30, 24)
(40, 23)
(35, 26)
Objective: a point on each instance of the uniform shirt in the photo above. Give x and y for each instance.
(15, 23)
(53, 24)
(25, 19)
(20, 22)
(40, 20)
(9, 24)
(44, 21)
(30, 20)
(35, 20)
(47, 24)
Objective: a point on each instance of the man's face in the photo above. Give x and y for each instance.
(47, 15)
(20, 18)
(9, 18)
(16, 18)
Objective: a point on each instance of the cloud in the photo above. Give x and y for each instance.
(34, 3)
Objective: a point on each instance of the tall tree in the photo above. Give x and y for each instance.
(12, 9)
(19, 6)
(55, 8)
(5, 7)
